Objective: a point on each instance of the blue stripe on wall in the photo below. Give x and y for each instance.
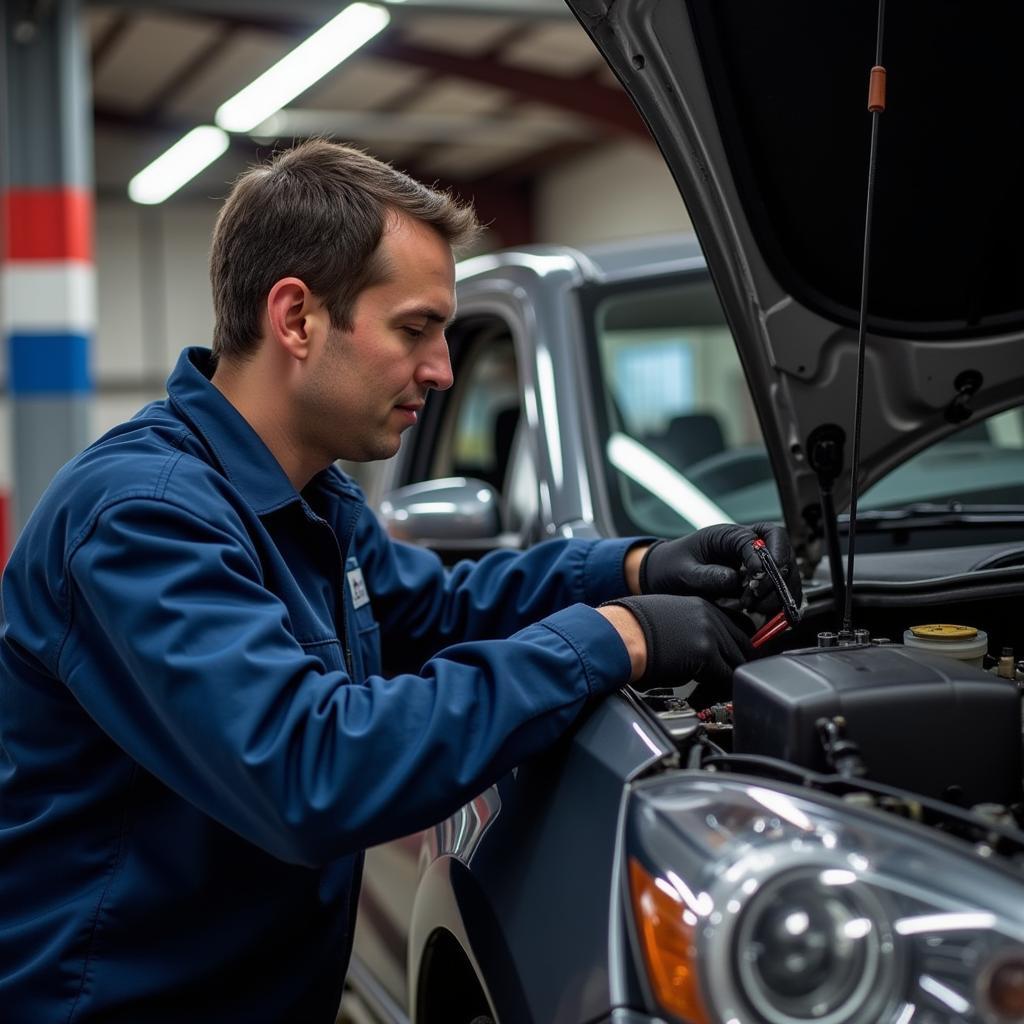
(48, 364)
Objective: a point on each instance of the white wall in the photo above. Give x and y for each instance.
(153, 297)
(619, 191)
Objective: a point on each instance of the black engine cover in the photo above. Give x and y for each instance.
(923, 722)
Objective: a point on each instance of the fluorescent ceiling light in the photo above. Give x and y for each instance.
(181, 163)
(306, 64)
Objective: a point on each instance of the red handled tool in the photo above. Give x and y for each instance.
(790, 614)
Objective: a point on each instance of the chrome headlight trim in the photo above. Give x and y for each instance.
(729, 943)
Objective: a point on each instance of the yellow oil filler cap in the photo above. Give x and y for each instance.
(964, 643)
(944, 631)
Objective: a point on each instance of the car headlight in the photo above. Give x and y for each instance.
(755, 903)
(809, 950)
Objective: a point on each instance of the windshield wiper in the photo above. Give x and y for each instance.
(927, 515)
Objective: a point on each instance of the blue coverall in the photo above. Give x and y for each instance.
(196, 737)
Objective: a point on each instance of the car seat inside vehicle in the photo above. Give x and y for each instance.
(688, 438)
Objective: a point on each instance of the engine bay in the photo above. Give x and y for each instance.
(888, 711)
(883, 719)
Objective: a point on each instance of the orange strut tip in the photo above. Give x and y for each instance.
(876, 90)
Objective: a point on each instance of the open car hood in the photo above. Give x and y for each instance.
(760, 110)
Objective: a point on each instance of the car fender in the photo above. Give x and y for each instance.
(450, 899)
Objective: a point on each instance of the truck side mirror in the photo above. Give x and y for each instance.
(452, 509)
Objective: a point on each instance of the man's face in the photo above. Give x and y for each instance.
(368, 384)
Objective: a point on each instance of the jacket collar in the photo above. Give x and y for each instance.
(239, 451)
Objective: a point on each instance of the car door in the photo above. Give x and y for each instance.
(475, 433)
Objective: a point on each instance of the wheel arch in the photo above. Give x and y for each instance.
(455, 934)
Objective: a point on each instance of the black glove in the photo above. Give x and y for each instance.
(708, 563)
(687, 638)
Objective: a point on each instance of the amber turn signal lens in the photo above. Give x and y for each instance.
(1005, 990)
(669, 944)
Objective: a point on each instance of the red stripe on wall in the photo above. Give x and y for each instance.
(48, 224)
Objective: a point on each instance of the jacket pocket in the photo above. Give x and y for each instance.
(328, 651)
(368, 641)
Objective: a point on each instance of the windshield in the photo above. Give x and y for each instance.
(681, 440)
(981, 464)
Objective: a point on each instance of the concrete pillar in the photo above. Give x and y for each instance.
(47, 253)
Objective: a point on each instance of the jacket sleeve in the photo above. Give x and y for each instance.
(430, 607)
(180, 654)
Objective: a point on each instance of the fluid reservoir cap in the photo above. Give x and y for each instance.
(965, 643)
(944, 631)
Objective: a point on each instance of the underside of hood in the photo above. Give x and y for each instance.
(760, 110)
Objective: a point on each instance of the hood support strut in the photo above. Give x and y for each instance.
(876, 105)
(825, 455)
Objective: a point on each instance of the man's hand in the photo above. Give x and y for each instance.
(684, 638)
(708, 564)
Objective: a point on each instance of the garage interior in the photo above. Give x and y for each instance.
(505, 102)
(837, 820)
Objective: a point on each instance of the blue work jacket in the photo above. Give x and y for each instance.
(216, 691)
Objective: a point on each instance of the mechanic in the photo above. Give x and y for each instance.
(221, 680)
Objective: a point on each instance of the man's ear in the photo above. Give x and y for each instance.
(293, 315)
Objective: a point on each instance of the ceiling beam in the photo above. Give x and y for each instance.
(372, 126)
(606, 105)
(105, 43)
(319, 11)
(165, 129)
(515, 34)
(211, 51)
(503, 198)
(112, 117)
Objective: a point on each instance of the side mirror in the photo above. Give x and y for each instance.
(451, 510)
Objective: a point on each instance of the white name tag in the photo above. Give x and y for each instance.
(358, 588)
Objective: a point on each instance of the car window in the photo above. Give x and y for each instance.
(476, 429)
(482, 415)
(682, 442)
(981, 464)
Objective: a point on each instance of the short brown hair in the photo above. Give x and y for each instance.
(316, 212)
